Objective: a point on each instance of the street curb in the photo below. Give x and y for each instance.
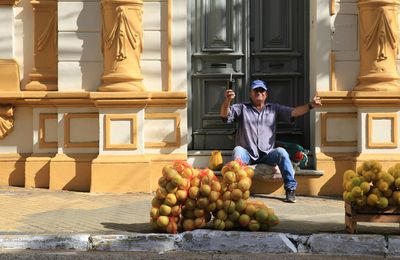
(213, 241)
(77, 242)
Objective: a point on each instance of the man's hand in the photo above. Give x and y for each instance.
(229, 95)
(316, 102)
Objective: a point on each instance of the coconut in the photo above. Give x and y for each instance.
(365, 187)
(162, 221)
(361, 201)
(195, 182)
(249, 171)
(229, 206)
(229, 224)
(382, 203)
(221, 214)
(273, 220)
(241, 174)
(165, 210)
(184, 185)
(172, 227)
(181, 195)
(224, 169)
(232, 186)
(170, 199)
(176, 181)
(199, 223)
(161, 193)
(162, 181)
(219, 224)
(171, 188)
(250, 210)
(226, 195)
(188, 224)
(211, 207)
(219, 204)
(205, 190)
(194, 192)
(215, 186)
(187, 213)
(234, 216)
(254, 225)
(190, 204)
(244, 184)
(202, 202)
(397, 182)
(234, 166)
(154, 213)
(241, 205)
(156, 203)
(154, 225)
(229, 177)
(244, 220)
(261, 215)
(176, 210)
(236, 194)
(356, 192)
(214, 195)
(198, 213)
(372, 199)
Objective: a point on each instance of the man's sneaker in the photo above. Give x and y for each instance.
(290, 196)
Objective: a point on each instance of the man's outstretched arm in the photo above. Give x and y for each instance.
(301, 110)
(229, 96)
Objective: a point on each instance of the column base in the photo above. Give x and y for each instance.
(41, 86)
(378, 86)
(134, 86)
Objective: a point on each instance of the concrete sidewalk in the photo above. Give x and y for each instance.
(43, 219)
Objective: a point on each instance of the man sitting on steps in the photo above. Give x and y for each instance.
(255, 137)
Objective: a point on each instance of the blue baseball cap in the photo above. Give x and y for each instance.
(258, 84)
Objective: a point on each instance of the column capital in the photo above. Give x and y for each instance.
(9, 2)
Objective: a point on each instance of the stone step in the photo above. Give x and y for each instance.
(200, 158)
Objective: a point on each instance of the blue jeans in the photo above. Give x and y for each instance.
(277, 156)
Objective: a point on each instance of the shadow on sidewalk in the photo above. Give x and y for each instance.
(135, 227)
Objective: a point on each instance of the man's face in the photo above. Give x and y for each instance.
(258, 96)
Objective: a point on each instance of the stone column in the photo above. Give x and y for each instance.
(378, 45)
(44, 72)
(122, 45)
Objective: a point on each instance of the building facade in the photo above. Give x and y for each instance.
(99, 95)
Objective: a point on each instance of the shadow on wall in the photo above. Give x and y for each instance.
(333, 185)
(17, 173)
(91, 58)
(24, 24)
(82, 175)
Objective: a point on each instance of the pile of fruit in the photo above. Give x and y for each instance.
(189, 198)
(370, 186)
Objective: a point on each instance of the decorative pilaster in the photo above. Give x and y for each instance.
(378, 45)
(122, 41)
(6, 120)
(44, 72)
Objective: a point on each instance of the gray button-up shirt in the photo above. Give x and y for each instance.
(256, 129)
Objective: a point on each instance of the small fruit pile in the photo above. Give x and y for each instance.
(234, 210)
(372, 186)
(188, 199)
